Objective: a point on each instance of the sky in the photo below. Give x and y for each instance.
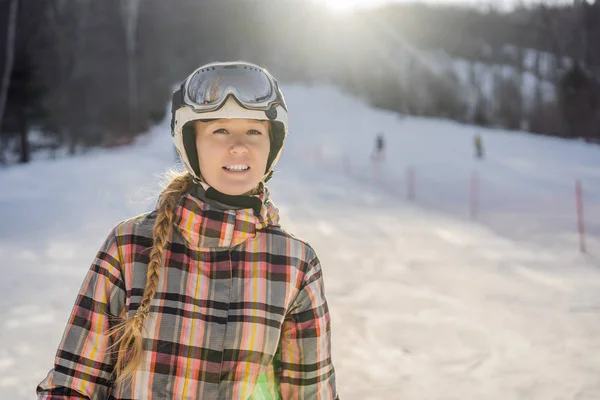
(344, 5)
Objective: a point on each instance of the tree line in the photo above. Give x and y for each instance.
(86, 73)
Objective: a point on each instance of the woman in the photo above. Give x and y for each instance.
(206, 297)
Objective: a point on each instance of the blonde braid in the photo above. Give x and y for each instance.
(129, 332)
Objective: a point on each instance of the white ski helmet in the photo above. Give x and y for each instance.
(227, 90)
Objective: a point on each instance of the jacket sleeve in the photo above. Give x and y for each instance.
(306, 370)
(82, 367)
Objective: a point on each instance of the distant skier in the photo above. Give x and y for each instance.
(379, 151)
(478, 146)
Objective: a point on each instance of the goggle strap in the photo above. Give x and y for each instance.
(177, 103)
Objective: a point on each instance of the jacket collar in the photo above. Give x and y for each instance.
(206, 221)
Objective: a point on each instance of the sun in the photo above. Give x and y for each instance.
(341, 5)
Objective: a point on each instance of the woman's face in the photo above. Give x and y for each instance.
(233, 153)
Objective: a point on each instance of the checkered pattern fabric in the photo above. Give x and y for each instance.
(240, 312)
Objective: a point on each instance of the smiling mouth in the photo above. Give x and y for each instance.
(237, 168)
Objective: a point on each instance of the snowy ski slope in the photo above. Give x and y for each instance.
(425, 303)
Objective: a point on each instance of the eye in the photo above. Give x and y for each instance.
(254, 132)
(222, 130)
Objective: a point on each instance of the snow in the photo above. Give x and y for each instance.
(425, 303)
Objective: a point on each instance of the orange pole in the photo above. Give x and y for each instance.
(580, 219)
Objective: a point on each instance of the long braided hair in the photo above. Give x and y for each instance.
(128, 333)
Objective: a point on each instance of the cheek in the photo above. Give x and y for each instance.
(261, 153)
(259, 147)
(207, 150)
(265, 147)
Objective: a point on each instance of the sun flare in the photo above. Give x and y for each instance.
(341, 5)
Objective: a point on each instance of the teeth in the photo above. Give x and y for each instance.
(237, 168)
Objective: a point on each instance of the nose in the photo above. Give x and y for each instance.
(238, 147)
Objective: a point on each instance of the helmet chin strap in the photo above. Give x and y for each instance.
(241, 201)
(205, 185)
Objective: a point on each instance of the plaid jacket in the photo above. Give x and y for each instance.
(240, 312)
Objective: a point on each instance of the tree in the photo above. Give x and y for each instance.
(579, 100)
(129, 14)
(65, 65)
(8, 64)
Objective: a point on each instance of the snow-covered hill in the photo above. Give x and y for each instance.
(425, 303)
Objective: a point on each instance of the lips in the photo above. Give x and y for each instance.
(238, 168)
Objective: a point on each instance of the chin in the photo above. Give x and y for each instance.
(235, 187)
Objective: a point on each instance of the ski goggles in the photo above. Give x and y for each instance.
(207, 88)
